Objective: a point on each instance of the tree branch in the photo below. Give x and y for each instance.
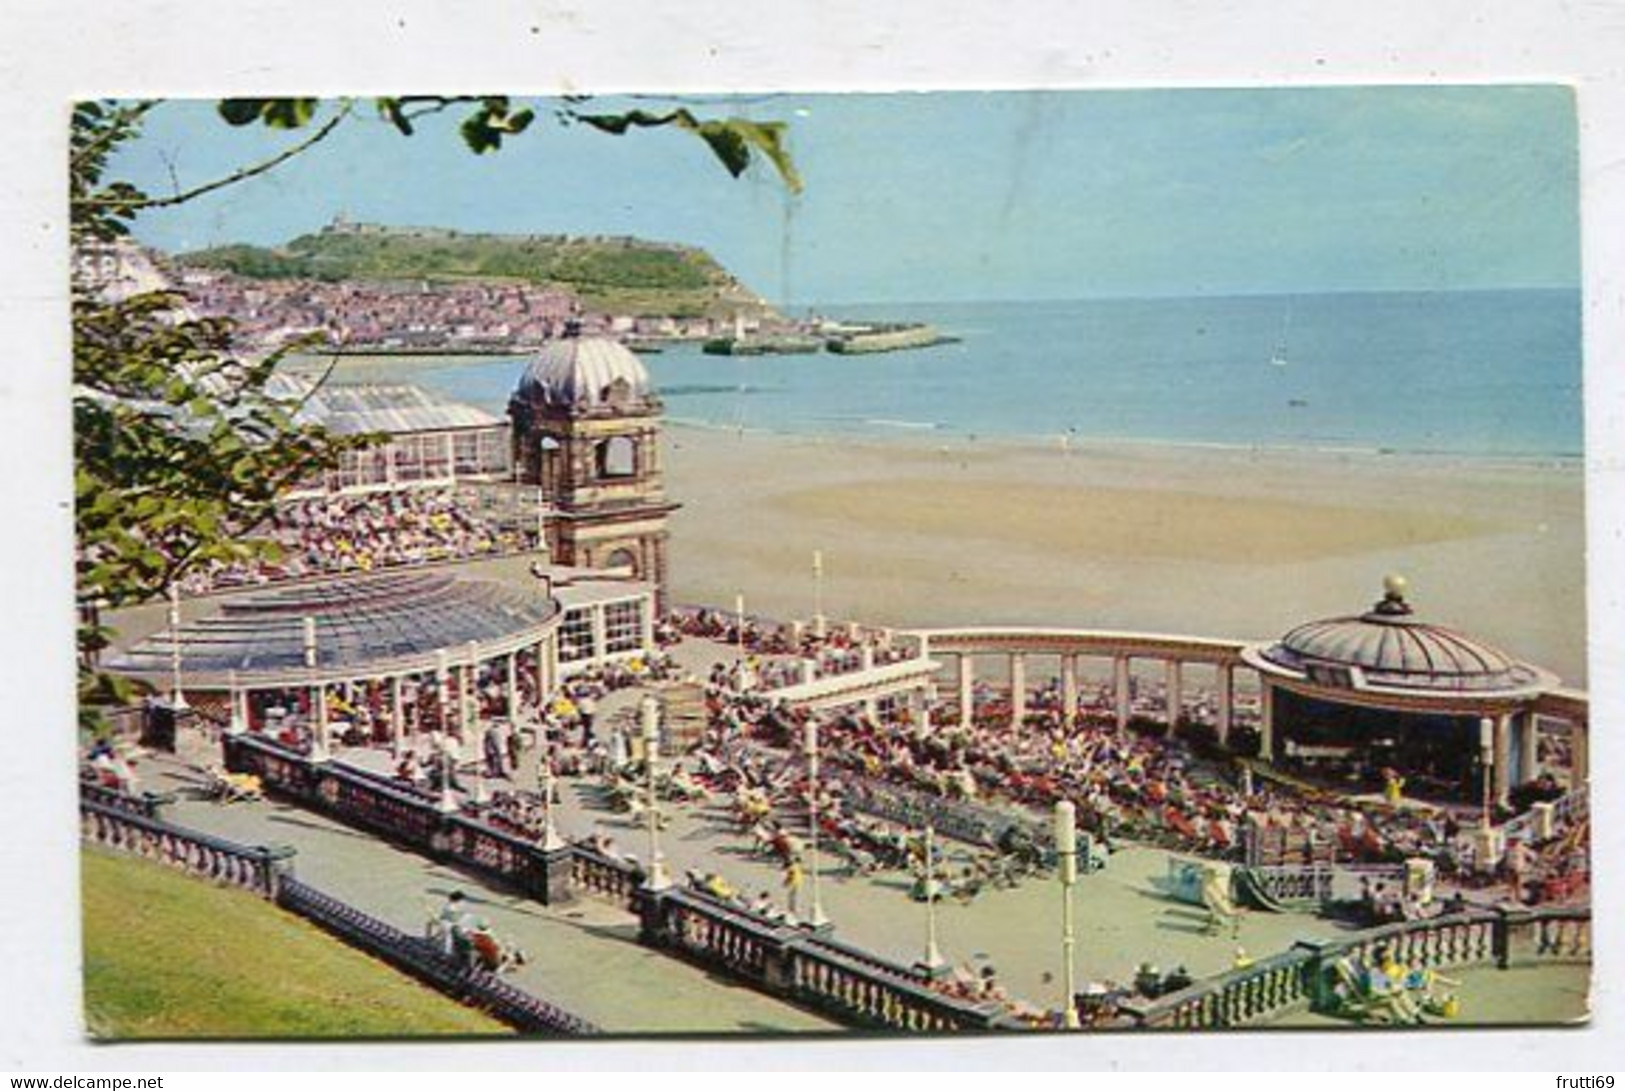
(231, 179)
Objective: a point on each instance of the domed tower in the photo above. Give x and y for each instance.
(586, 429)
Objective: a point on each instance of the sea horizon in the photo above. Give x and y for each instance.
(1474, 374)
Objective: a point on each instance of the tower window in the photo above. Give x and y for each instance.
(617, 457)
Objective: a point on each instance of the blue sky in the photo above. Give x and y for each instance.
(971, 195)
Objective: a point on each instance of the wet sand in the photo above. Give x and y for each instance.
(1203, 541)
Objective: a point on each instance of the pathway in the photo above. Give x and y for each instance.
(585, 957)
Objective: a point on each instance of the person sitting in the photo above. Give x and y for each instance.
(1178, 978)
(488, 953)
(446, 924)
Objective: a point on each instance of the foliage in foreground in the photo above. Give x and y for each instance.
(167, 956)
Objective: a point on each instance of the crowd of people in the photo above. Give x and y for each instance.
(340, 533)
(1145, 787)
(777, 655)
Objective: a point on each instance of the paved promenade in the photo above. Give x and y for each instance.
(584, 957)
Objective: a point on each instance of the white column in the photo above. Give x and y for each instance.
(1528, 746)
(1503, 758)
(967, 688)
(1176, 694)
(1069, 689)
(1580, 747)
(320, 750)
(1120, 690)
(917, 705)
(238, 722)
(397, 714)
(511, 684)
(1266, 721)
(648, 615)
(1018, 688)
(1227, 700)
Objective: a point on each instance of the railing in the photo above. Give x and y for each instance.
(1301, 975)
(604, 876)
(853, 986)
(424, 961)
(1317, 884)
(1566, 809)
(145, 805)
(1555, 935)
(256, 868)
(404, 816)
(968, 822)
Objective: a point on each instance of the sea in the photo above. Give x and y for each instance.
(1481, 373)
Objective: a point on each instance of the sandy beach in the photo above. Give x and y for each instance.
(1203, 541)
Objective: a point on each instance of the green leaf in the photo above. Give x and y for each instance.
(241, 111)
(479, 136)
(767, 137)
(391, 110)
(288, 113)
(728, 145)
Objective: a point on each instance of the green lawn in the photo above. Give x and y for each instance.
(168, 956)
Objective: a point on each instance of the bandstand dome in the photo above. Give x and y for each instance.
(1388, 648)
(363, 626)
(584, 373)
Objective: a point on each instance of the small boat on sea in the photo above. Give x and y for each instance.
(1279, 359)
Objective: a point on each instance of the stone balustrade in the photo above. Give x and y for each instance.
(1302, 975)
(614, 880)
(255, 868)
(852, 985)
(406, 816)
(146, 804)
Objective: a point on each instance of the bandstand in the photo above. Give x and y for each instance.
(1386, 687)
(1340, 697)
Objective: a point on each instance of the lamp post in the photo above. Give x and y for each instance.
(1066, 854)
(810, 744)
(551, 841)
(447, 803)
(318, 697)
(238, 724)
(656, 879)
(933, 963)
(818, 621)
(177, 699)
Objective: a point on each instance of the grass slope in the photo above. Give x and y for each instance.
(168, 956)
